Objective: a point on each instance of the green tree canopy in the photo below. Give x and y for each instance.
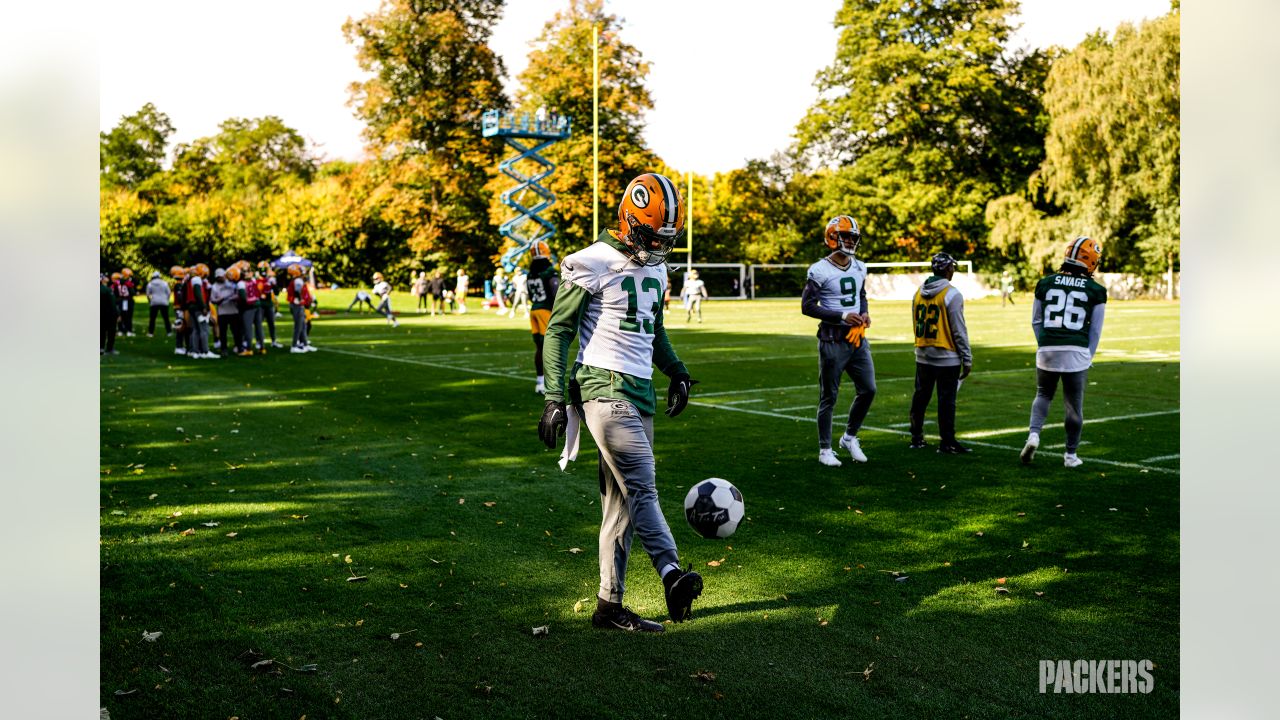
(1112, 155)
(135, 149)
(433, 75)
(924, 117)
(559, 78)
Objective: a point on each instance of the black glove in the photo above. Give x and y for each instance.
(678, 394)
(965, 370)
(553, 423)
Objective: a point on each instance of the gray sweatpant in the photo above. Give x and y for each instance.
(628, 495)
(252, 326)
(1072, 396)
(299, 325)
(834, 360)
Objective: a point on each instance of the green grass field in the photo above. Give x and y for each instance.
(410, 457)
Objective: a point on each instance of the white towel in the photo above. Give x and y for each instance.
(572, 434)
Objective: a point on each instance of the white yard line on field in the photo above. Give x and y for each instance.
(892, 431)
(1088, 421)
(1162, 458)
(427, 363)
(764, 413)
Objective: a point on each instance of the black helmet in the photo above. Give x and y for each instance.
(941, 263)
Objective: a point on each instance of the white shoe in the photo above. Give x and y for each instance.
(827, 457)
(850, 443)
(1070, 460)
(179, 351)
(1029, 450)
(297, 349)
(275, 344)
(310, 348)
(212, 356)
(395, 324)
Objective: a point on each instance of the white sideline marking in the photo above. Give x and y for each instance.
(892, 431)
(765, 413)
(427, 363)
(1063, 446)
(1162, 458)
(742, 402)
(814, 385)
(1088, 421)
(758, 390)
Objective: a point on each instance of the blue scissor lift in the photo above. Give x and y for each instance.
(529, 136)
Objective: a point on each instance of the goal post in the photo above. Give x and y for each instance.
(725, 281)
(885, 280)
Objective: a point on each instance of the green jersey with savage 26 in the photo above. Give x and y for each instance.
(1068, 301)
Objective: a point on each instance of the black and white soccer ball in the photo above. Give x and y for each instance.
(714, 508)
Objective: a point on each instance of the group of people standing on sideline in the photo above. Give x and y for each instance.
(211, 318)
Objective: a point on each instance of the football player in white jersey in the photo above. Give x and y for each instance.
(694, 292)
(610, 295)
(836, 294)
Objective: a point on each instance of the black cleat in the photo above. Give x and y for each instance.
(621, 618)
(918, 444)
(954, 448)
(684, 587)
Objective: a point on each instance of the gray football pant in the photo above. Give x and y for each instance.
(199, 335)
(1072, 396)
(299, 325)
(628, 495)
(252, 325)
(834, 360)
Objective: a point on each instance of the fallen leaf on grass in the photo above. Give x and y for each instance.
(979, 533)
(232, 534)
(117, 512)
(1039, 593)
(153, 496)
(901, 578)
(577, 607)
(859, 512)
(1002, 581)
(574, 550)
(396, 636)
(1025, 544)
(263, 665)
(188, 531)
(357, 578)
(715, 563)
(151, 636)
(347, 559)
(1002, 590)
(360, 622)
(122, 693)
(210, 524)
(462, 501)
(1113, 510)
(542, 631)
(705, 676)
(1022, 514)
(490, 503)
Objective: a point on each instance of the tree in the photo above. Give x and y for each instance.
(1112, 153)
(559, 78)
(923, 117)
(134, 150)
(433, 75)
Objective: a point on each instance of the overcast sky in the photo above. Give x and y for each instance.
(202, 63)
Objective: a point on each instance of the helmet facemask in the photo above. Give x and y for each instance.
(649, 247)
(847, 242)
